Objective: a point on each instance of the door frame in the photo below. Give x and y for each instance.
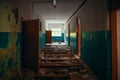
(78, 35)
(68, 34)
(113, 25)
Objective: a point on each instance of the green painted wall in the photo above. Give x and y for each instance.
(96, 52)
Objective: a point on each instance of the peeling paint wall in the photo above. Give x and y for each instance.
(10, 38)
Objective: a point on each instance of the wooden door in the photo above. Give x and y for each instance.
(30, 42)
(48, 36)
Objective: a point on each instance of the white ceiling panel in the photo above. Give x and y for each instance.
(64, 9)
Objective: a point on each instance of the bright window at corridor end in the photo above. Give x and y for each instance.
(56, 31)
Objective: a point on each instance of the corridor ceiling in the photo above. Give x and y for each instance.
(60, 14)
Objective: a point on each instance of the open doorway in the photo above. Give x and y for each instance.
(57, 32)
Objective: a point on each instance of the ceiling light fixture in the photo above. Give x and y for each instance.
(54, 3)
(47, 1)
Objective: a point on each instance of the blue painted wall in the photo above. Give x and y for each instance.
(42, 38)
(58, 38)
(67, 38)
(10, 50)
(96, 52)
(4, 39)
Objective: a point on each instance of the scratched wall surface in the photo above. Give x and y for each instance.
(10, 40)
